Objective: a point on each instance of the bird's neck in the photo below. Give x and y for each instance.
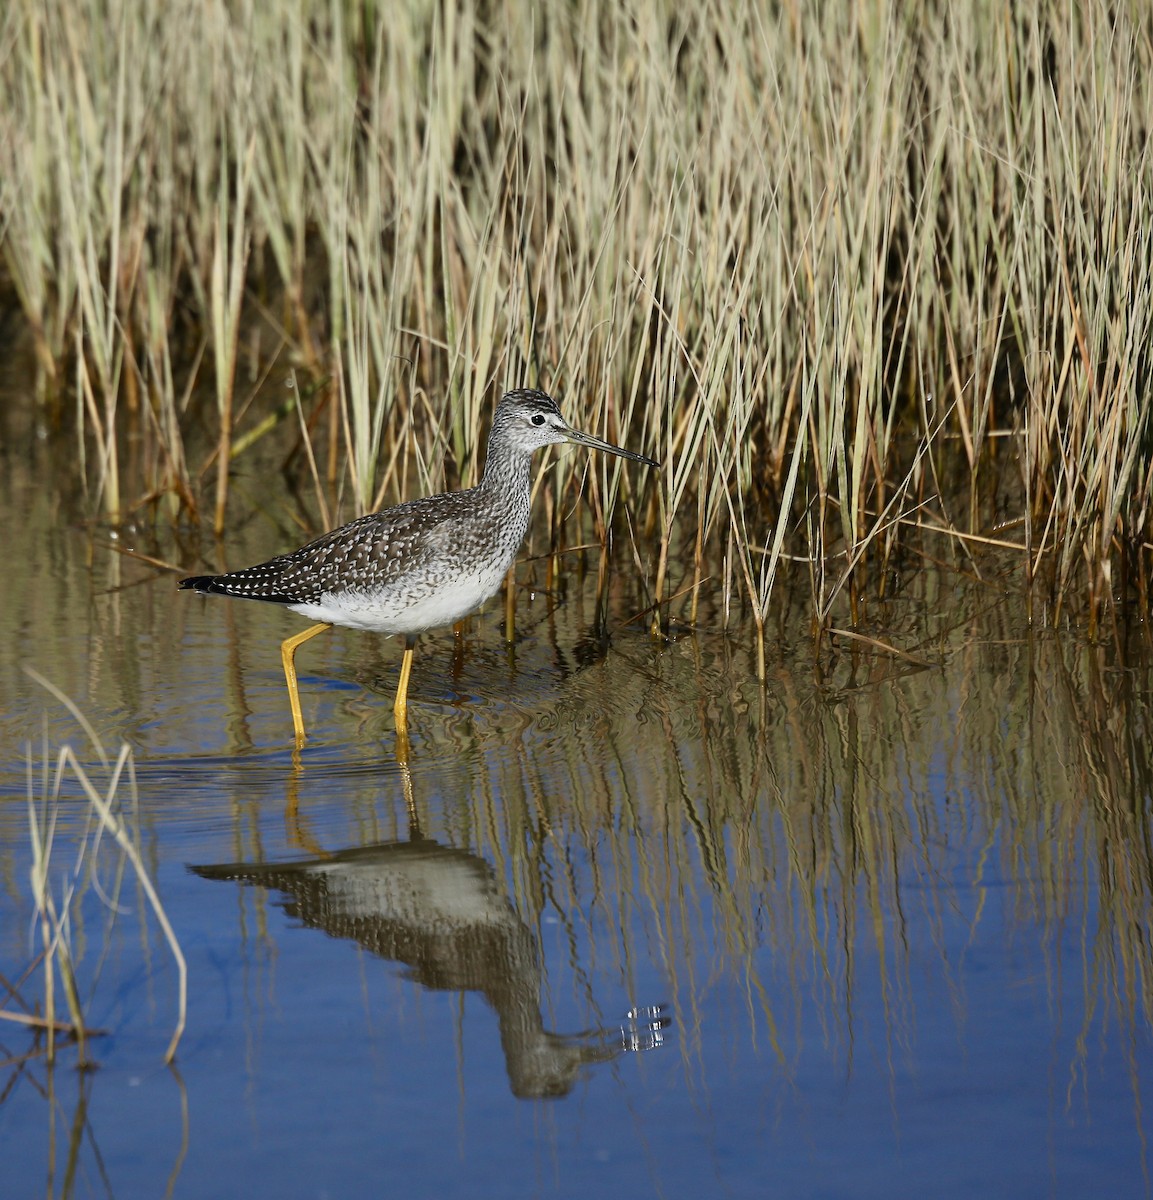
(506, 472)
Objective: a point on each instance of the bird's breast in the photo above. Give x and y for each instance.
(426, 604)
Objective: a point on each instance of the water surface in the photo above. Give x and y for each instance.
(621, 923)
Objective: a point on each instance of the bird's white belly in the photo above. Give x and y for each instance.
(406, 610)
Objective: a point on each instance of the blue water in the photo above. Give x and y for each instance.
(887, 932)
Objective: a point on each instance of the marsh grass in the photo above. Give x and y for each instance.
(111, 796)
(794, 838)
(873, 281)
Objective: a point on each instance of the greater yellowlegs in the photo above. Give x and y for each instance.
(419, 565)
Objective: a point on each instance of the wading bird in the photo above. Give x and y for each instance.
(418, 565)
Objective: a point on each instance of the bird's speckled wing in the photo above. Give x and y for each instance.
(418, 566)
(379, 552)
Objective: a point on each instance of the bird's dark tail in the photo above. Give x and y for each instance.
(203, 583)
(261, 582)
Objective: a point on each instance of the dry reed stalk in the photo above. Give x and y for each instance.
(54, 921)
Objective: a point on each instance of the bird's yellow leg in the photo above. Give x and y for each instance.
(400, 704)
(287, 653)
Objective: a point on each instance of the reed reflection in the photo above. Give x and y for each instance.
(827, 838)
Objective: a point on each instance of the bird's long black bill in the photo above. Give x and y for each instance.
(595, 443)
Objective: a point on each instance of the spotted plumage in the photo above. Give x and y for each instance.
(422, 564)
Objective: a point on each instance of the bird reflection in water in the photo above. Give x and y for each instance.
(442, 913)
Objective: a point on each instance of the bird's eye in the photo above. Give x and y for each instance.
(537, 418)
